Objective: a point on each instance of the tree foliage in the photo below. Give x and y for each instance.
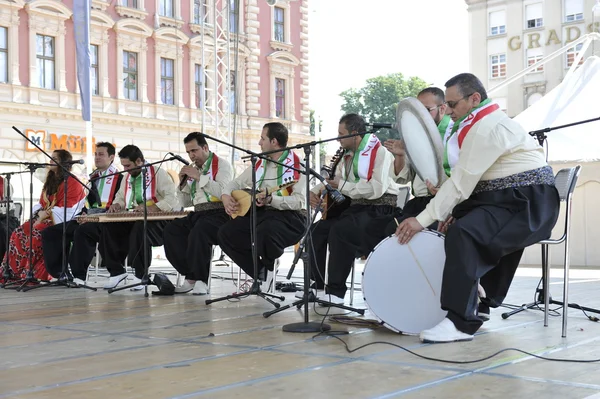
(378, 99)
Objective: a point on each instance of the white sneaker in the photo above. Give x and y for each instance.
(136, 280)
(113, 281)
(78, 281)
(187, 286)
(445, 331)
(330, 298)
(265, 286)
(200, 288)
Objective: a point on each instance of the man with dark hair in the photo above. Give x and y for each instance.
(126, 240)
(381, 227)
(499, 199)
(81, 239)
(280, 217)
(188, 241)
(363, 175)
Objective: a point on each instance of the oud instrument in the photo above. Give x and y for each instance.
(244, 197)
(331, 209)
(120, 217)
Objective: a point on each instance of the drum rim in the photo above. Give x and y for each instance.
(428, 125)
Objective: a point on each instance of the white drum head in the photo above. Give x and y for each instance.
(422, 140)
(402, 283)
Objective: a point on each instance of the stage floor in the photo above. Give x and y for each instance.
(74, 343)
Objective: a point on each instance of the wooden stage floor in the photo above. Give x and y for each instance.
(74, 343)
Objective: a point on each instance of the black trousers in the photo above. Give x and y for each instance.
(275, 231)
(81, 240)
(188, 242)
(345, 236)
(126, 240)
(381, 227)
(486, 243)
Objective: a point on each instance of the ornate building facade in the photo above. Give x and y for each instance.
(506, 36)
(160, 69)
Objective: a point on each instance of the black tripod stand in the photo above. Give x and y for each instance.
(303, 253)
(145, 280)
(7, 273)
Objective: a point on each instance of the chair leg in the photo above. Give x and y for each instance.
(352, 283)
(546, 288)
(565, 288)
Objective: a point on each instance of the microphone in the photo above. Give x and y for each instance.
(377, 125)
(184, 177)
(335, 194)
(77, 161)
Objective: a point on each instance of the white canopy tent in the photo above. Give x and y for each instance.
(574, 100)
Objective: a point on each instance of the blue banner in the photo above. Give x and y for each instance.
(81, 24)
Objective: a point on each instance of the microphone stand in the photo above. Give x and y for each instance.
(306, 326)
(540, 134)
(63, 280)
(7, 273)
(145, 280)
(255, 288)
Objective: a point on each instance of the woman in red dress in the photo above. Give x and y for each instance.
(47, 212)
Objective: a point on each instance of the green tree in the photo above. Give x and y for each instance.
(378, 99)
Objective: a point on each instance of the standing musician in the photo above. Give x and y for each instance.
(381, 227)
(499, 199)
(280, 220)
(188, 241)
(81, 239)
(125, 240)
(364, 176)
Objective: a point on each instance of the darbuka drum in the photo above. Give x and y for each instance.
(422, 140)
(402, 283)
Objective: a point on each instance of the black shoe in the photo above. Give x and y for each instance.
(483, 312)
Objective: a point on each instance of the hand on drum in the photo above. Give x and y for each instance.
(443, 226)
(396, 147)
(432, 189)
(407, 229)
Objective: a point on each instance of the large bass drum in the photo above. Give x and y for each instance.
(401, 283)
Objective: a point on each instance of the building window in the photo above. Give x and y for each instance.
(535, 15)
(497, 23)
(129, 3)
(498, 66)
(280, 98)
(572, 54)
(3, 54)
(234, 16)
(167, 86)
(535, 55)
(130, 75)
(166, 8)
(200, 12)
(573, 10)
(232, 90)
(94, 69)
(198, 85)
(279, 24)
(45, 61)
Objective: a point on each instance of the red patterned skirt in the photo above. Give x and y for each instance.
(19, 251)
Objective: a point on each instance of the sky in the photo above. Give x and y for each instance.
(354, 40)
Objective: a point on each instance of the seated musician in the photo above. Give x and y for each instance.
(125, 240)
(499, 199)
(47, 212)
(13, 221)
(381, 227)
(81, 238)
(364, 176)
(280, 217)
(188, 241)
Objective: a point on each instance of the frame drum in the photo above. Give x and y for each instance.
(402, 283)
(422, 140)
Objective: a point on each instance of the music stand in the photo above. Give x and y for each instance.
(145, 280)
(63, 279)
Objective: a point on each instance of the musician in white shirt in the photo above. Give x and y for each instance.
(81, 239)
(188, 241)
(280, 216)
(125, 240)
(499, 199)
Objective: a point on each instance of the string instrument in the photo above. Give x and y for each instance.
(120, 217)
(244, 198)
(330, 209)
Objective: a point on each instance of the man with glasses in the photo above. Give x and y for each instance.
(499, 199)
